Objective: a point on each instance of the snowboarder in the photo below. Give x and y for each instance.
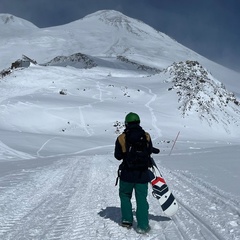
(133, 176)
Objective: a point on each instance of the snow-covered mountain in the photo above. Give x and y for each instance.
(102, 34)
(8, 21)
(65, 91)
(113, 42)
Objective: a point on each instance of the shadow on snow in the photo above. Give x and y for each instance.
(114, 214)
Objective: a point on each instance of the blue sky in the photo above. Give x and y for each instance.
(209, 27)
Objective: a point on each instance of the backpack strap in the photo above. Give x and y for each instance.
(122, 141)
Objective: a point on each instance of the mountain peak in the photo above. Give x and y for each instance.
(120, 21)
(11, 21)
(6, 18)
(107, 14)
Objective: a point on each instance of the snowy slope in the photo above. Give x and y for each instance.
(59, 121)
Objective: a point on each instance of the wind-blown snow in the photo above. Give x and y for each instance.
(59, 121)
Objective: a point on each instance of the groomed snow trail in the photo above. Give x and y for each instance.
(75, 198)
(205, 211)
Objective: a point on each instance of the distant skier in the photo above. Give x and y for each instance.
(134, 147)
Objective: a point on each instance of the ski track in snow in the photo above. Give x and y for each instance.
(154, 118)
(205, 211)
(7, 152)
(43, 145)
(75, 198)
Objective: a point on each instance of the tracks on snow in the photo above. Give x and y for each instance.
(60, 201)
(206, 213)
(75, 198)
(39, 205)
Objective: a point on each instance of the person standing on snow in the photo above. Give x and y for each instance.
(133, 178)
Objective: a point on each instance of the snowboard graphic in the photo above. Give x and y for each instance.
(161, 191)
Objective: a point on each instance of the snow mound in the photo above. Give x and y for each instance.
(199, 92)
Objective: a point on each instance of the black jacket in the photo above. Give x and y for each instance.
(127, 175)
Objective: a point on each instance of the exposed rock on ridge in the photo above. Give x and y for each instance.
(199, 92)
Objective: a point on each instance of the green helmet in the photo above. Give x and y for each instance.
(132, 117)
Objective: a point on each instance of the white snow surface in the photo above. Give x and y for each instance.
(57, 169)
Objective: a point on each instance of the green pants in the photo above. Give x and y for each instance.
(125, 194)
